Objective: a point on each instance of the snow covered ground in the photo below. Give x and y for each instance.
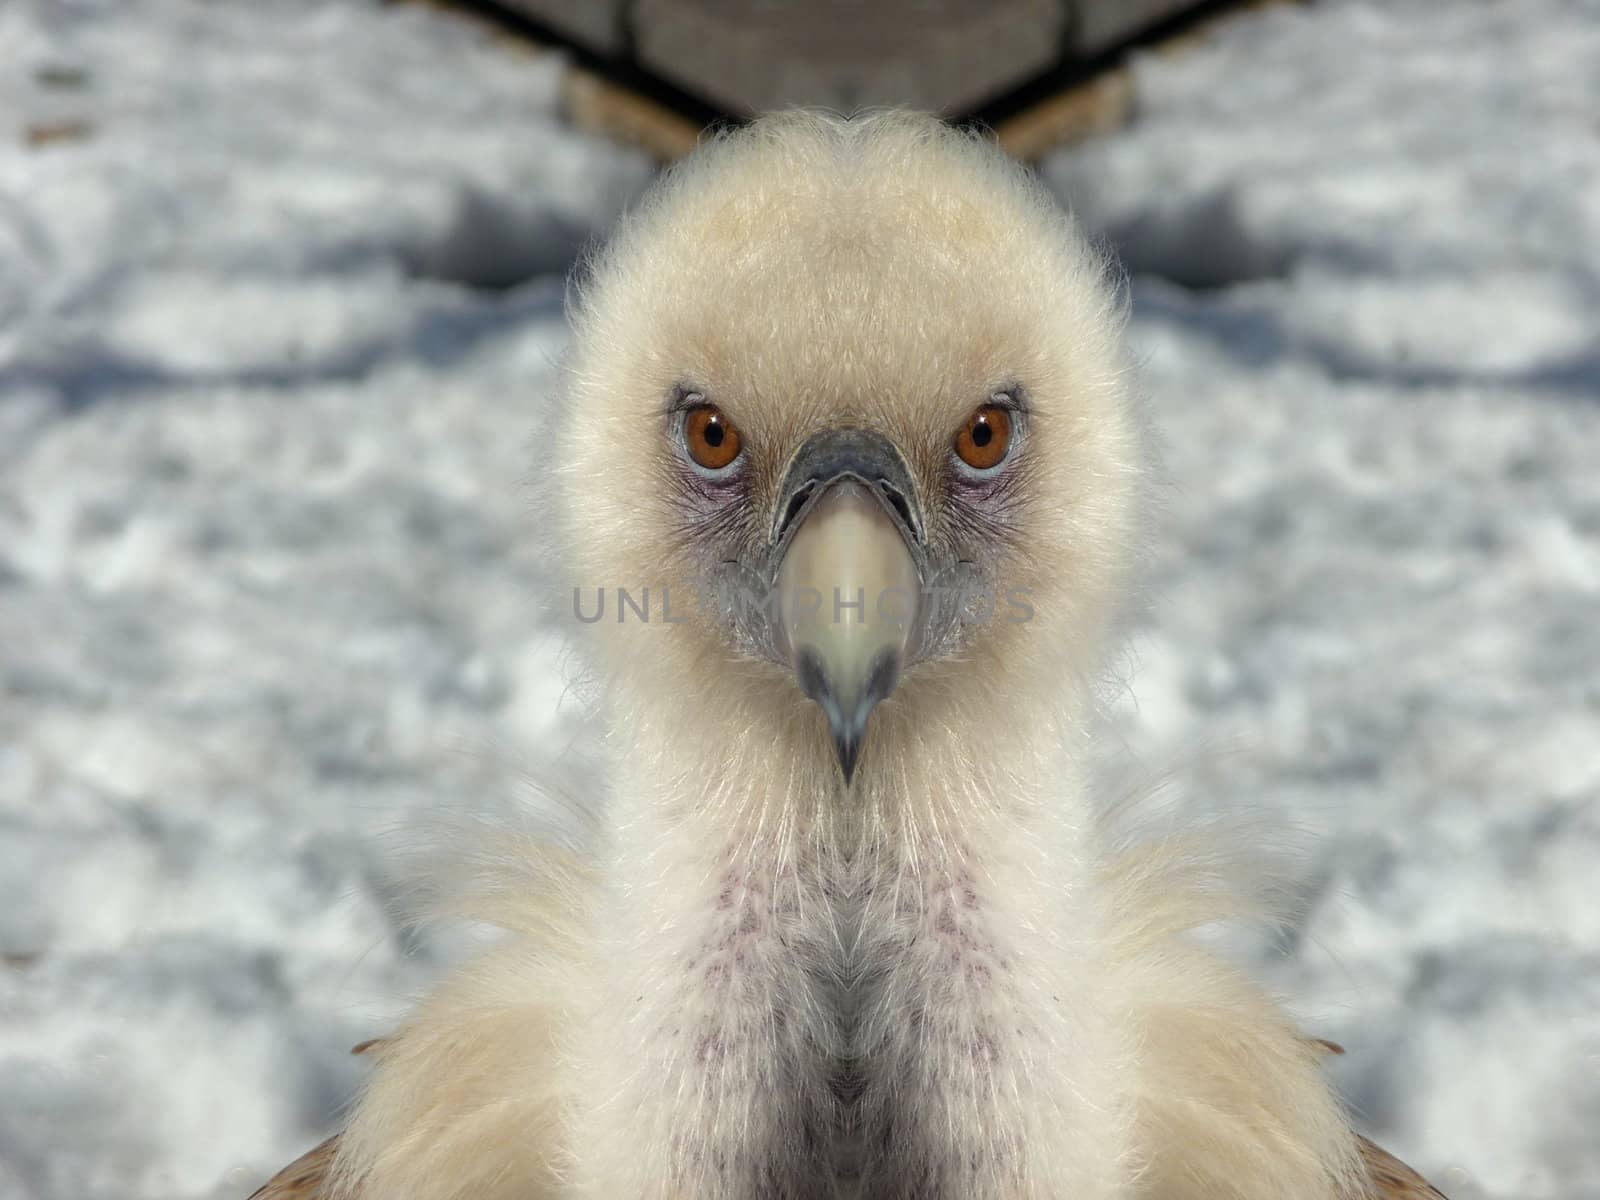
(277, 285)
(1366, 245)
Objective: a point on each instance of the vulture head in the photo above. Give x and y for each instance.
(849, 399)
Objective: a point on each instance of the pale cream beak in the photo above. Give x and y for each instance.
(848, 594)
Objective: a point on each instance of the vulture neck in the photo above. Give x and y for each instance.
(880, 936)
(986, 790)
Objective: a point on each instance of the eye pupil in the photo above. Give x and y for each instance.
(713, 434)
(982, 435)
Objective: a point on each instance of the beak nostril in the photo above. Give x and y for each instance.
(796, 503)
(901, 506)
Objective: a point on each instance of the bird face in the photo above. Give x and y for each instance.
(829, 566)
(856, 387)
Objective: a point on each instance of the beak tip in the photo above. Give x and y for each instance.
(848, 749)
(847, 722)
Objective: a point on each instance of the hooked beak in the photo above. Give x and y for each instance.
(848, 579)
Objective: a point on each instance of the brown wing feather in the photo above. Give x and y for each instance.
(307, 1176)
(303, 1179)
(1392, 1179)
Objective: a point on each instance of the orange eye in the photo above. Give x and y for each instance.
(985, 439)
(711, 439)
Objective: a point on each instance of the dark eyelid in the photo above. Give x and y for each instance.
(1011, 398)
(682, 398)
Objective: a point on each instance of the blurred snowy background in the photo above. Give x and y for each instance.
(278, 286)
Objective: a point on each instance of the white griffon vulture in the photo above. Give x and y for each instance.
(855, 394)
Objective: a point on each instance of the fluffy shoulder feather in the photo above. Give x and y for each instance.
(467, 1099)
